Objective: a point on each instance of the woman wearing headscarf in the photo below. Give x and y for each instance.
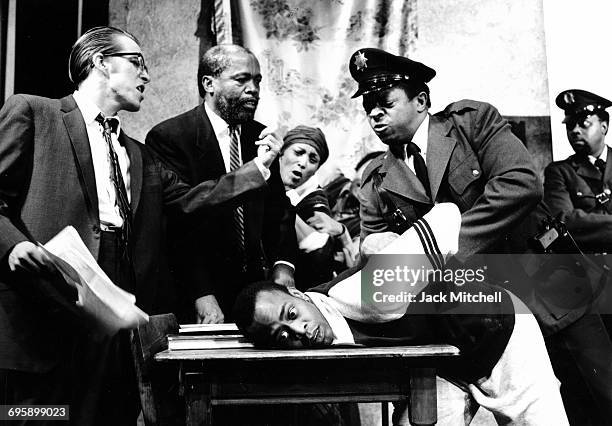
(320, 237)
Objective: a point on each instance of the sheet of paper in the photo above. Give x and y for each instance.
(111, 307)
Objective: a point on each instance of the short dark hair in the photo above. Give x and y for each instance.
(244, 311)
(413, 88)
(369, 156)
(95, 40)
(215, 60)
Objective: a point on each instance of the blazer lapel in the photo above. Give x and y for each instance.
(247, 142)
(398, 178)
(77, 133)
(207, 144)
(439, 149)
(136, 170)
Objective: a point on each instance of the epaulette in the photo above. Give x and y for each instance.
(374, 165)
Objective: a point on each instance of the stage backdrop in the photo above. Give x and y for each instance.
(304, 48)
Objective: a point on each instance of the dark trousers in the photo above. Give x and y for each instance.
(581, 355)
(97, 378)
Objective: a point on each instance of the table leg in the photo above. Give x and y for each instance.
(423, 398)
(197, 400)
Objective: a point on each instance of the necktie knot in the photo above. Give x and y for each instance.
(110, 124)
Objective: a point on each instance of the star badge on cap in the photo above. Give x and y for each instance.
(360, 61)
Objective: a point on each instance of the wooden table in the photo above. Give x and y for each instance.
(250, 376)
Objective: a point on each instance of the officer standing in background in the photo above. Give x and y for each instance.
(577, 191)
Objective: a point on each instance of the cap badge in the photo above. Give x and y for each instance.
(569, 98)
(360, 61)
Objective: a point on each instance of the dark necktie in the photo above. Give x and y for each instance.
(109, 126)
(235, 164)
(601, 166)
(420, 169)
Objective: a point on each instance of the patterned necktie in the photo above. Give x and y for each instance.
(109, 126)
(420, 169)
(235, 164)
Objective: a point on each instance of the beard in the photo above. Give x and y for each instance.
(236, 111)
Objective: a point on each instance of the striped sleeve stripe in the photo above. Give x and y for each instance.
(428, 241)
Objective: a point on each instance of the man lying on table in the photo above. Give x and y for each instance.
(503, 366)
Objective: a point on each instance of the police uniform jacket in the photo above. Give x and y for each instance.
(570, 189)
(474, 161)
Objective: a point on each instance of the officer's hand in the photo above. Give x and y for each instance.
(28, 256)
(208, 310)
(269, 146)
(324, 223)
(374, 243)
(283, 274)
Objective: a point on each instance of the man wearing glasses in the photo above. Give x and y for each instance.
(67, 162)
(577, 190)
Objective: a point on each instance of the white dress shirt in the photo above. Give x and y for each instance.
(107, 198)
(420, 140)
(603, 156)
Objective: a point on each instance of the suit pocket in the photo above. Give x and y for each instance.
(464, 174)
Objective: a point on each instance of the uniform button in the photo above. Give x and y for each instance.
(579, 194)
(96, 229)
(475, 172)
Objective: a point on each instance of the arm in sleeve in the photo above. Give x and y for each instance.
(16, 156)
(588, 228)
(512, 188)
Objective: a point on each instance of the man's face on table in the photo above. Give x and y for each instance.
(290, 321)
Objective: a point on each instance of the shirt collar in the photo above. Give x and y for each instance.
(89, 110)
(603, 156)
(339, 326)
(420, 137)
(219, 125)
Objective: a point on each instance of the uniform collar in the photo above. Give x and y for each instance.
(603, 156)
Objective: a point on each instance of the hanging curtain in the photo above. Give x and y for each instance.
(303, 48)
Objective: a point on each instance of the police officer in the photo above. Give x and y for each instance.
(578, 188)
(465, 154)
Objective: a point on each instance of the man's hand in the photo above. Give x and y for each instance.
(28, 256)
(269, 147)
(322, 222)
(283, 274)
(208, 310)
(374, 243)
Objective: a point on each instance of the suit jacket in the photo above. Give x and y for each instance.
(206, 259)
(47, 182)
(474, 161)
(570, 187)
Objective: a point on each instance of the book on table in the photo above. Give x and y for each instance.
(214, 341)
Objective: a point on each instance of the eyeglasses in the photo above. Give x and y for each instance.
(135, 59)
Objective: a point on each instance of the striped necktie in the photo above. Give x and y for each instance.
(235, 164)
(109, 126)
